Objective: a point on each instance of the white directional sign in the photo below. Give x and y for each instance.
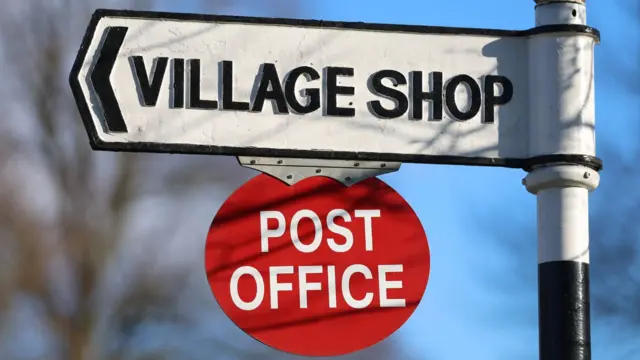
(273, 87)
(373, 96)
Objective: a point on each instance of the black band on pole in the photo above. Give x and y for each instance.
(564, 310)
(589, 161)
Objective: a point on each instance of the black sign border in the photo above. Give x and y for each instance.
(148, 147)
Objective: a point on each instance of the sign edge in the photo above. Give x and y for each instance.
(347, 25)
(74, 81)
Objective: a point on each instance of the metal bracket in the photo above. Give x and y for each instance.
(292, 170)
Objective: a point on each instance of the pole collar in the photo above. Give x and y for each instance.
(561, 176)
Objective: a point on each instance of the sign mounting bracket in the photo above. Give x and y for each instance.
(292, 170)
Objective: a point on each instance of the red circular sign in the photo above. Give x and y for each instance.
(317, 268)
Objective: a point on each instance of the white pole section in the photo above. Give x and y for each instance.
(562, 130)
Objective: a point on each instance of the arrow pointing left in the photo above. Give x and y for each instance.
(100, 78)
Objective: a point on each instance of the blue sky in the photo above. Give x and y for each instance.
(468, 311)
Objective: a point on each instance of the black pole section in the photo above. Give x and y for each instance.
(564, 310)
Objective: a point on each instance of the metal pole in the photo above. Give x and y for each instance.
(563, 120)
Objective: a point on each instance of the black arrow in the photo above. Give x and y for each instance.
(113, 39)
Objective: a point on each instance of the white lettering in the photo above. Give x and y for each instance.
(340, 230)
(275, 286)
(331, 275)
(265, 232)
(346, 291)
(306, 286)
(317, 238)
(368, 227)
(388, 284)
(235, 296)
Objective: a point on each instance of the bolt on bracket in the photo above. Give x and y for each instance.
(292, 170)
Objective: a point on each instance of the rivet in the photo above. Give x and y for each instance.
(289, 176)
(383, 165)
(318, 171)
(252, 162)
(587, 175)
(279, 161)
(356, 164)
(348, 178)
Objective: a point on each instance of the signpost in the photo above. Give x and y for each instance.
(317, 268)
(295, 99)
